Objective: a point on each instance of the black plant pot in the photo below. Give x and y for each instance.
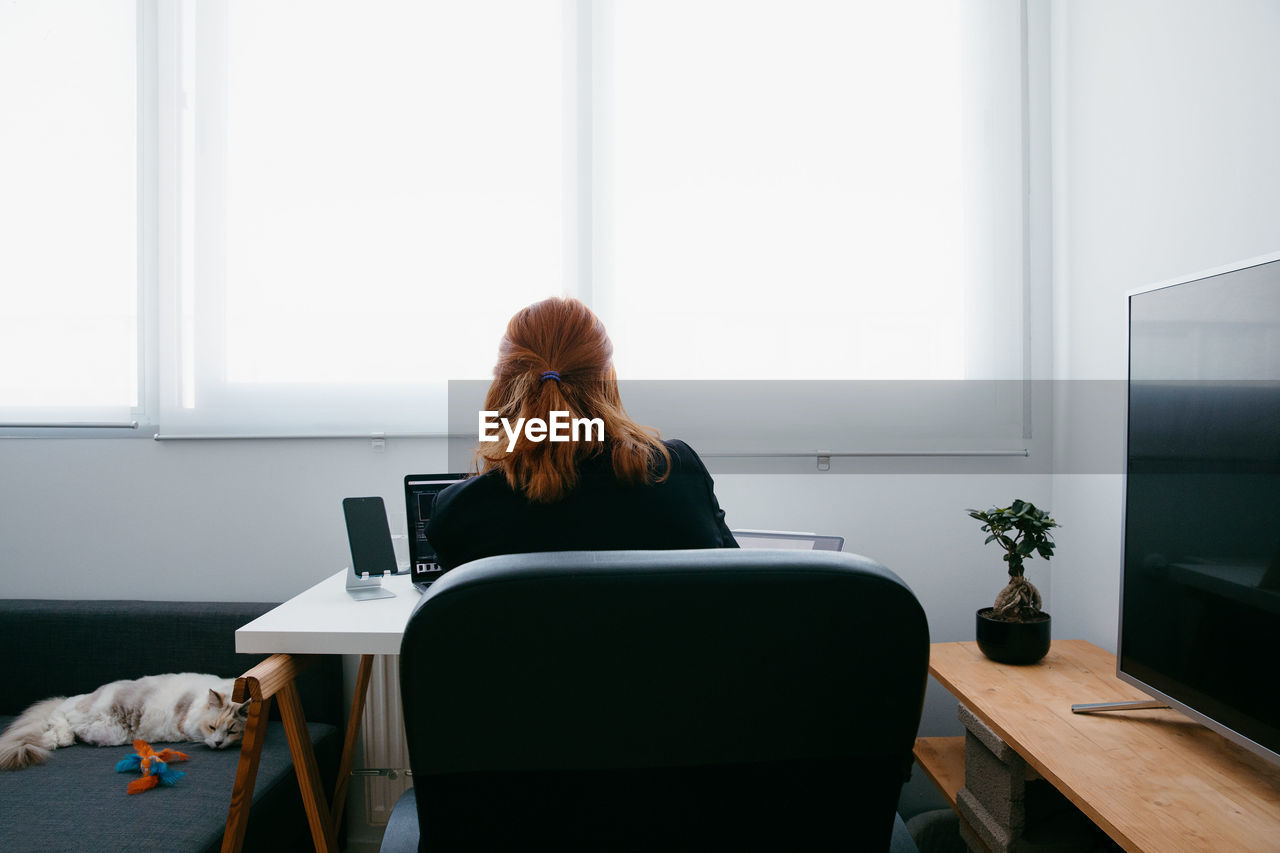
(1013, 642)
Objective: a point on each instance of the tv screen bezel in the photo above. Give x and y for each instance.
(1173, 702)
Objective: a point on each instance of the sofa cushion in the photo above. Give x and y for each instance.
(76, 801)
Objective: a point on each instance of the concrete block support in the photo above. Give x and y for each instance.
(1006, 808)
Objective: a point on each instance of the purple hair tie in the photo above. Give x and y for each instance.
(550, 374)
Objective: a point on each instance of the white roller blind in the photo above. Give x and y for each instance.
(375, 186)
(787, 194)
(344, 202)
(68, 211)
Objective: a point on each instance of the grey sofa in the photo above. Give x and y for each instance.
(76, 801)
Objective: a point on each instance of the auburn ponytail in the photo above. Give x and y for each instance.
(556, 357)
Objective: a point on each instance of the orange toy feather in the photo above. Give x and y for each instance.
(146, 783)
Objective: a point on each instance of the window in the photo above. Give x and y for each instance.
(370, 200)
(776, 172)
(68, 211)
(374, 187)
(342, 203)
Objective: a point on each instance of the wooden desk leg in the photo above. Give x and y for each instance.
(304, 764)
(255, 732)
(349, 744)
(275, 677)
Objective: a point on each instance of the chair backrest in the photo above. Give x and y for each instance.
(658, 699)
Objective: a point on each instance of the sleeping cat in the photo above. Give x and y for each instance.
(184, 706)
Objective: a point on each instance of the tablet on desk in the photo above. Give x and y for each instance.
(788, 540)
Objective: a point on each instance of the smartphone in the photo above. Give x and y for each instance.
(369, 536)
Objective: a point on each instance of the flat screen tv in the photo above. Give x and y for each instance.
(1200, 597)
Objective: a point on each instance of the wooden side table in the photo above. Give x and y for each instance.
(1153, 779)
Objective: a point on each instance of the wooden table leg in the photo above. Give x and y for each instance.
(349, 744)
(304, 764)
(275, 677)
(255, 731)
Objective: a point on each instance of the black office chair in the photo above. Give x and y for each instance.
(651, 700)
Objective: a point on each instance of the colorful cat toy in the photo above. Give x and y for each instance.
(154, 766)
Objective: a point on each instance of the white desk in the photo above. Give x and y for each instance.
(324, 620)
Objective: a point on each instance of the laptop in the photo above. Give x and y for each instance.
(420, 492)
(788, 540)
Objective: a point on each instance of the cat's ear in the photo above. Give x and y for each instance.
(242, 710)
(216, 699)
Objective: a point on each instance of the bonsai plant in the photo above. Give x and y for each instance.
(1015, 629)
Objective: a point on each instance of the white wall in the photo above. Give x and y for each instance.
(1166, 128)
(262, 520)
(225, 520)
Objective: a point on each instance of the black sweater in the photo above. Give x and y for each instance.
(484, 517)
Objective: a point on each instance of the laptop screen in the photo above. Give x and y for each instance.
(420, 492)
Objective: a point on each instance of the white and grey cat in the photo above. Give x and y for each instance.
(184, 706)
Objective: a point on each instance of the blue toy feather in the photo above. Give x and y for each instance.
(167, 776)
